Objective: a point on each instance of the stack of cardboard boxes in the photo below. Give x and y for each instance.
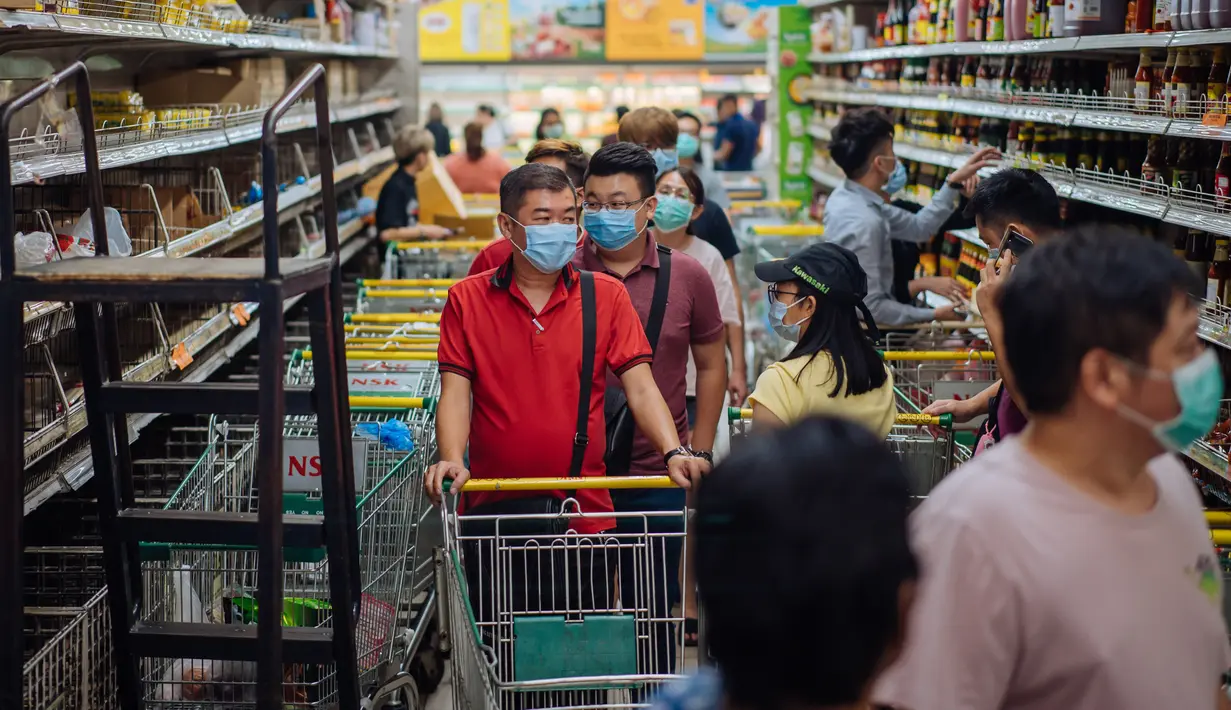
(246, 83)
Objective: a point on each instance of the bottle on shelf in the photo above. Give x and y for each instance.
(1222, 179)
(1220, 14)
(1143, 83)
(1220, 270)
(1198, 253)
(1185, 170)
(1019, 76)
(1216, 82)
(1055, 18)
(1162, 15)
(1094, 17)
(1182, 80)
(1154, 168)
(970, 72)
(1038, 30)
(1165, 81)
(960, 24)
(1014, 19)
(1087, 149)
(979, 22)
(1199, 14)
(1176, 15)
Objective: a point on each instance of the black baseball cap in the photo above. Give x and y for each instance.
(830, 270)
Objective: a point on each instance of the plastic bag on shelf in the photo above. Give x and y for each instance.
(34, 248)
(118, 241)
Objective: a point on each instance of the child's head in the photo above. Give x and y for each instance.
(803, 565)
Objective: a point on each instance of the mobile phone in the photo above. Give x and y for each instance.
(1017, 243)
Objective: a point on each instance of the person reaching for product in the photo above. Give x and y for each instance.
(677, 303)
(816, 300)
(858, 217)
(804, 569)
(681, 199)
(565, 155)
(1014, 210)
(1071, 566)
(398, 204)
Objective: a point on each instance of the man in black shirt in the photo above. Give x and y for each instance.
(399, 200)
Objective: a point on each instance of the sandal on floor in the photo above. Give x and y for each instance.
(690, 633)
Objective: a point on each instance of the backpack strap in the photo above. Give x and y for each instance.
(658, 307)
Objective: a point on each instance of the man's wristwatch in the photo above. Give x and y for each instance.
(677, 451)
(707, 455)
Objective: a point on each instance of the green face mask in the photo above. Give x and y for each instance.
(672, 212)
(1198, 387)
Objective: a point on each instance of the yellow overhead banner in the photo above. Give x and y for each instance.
(464, 31)
(647, 30)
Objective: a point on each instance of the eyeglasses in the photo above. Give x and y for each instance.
(774, 293)
(680, 192)
(596, 207)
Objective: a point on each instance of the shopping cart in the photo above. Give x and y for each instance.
(921, 377)
(929, 453)
(949, 335)
(534, 618)
(446, 259)
(215, 583)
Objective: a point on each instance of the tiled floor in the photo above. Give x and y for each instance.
(442, 699)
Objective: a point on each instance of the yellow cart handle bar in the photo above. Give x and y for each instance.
(404, 292)
(788, 230)
(391, 329)
(420, 342)
(386, 346)
(406, 283)
(393, 318)
(765, 204)
(736, 414)
(938, 355)
(461, 244)
(382, 355)
(362, 401)
(563, 484)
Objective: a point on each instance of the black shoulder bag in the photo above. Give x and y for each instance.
(620, 423)
(548, 504)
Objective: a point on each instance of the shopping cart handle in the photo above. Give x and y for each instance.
(365, 401)
(382, 355)
(937, 355)
(735, 414)
(433, 292)
(562, 484)
(458, 244)
(406, 283)
(945, 421)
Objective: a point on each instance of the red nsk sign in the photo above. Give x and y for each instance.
(301, 464)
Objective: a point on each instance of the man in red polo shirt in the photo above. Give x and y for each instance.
(565, 155)
(618, 205)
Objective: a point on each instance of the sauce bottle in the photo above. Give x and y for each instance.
(1216, 83)
(1055, 18)
(1180, 14)
(1182, 80)
(1222, 179)
(1199, 14)
(1165, 81)
(969, 72)
(1220, 270)
(960, 24)
(1086, 150)
(1184, 174)
(1153, 170)
(1025, 139)
(1143, 83)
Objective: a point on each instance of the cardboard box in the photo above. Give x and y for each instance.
(181, 211)
(438, 196)
(335, 75)
(209, 85)
(351, 82)
(479, 224)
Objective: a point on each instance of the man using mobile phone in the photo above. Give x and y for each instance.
(1014, 210)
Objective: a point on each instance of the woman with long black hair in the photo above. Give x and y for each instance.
(815, 301)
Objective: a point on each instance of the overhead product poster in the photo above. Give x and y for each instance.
(794, 111)
(557, 29)
(651, 30)
(738, 28)
(464, 31)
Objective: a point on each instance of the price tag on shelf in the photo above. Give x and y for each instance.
(1214, 120)
(180, 356)
(241, 314)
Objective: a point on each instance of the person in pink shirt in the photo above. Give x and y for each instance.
(477, 170)
(1070, 567)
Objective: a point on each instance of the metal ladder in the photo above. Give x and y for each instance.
(95, 286)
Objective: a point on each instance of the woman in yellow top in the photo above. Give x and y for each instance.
(815, 300)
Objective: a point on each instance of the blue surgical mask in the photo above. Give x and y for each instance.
(897, 180)
(1198, 387)
(613, 230)
(554, 130)
(777, 311)
(687, 145)
(672, 212)
(548, 246)
(665, 160)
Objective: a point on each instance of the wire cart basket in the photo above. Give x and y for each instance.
(929, 453)
(448, 259)
(921, 377)
(533, 618)
(214, 583)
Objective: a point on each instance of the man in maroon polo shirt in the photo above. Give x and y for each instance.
(619, 201)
